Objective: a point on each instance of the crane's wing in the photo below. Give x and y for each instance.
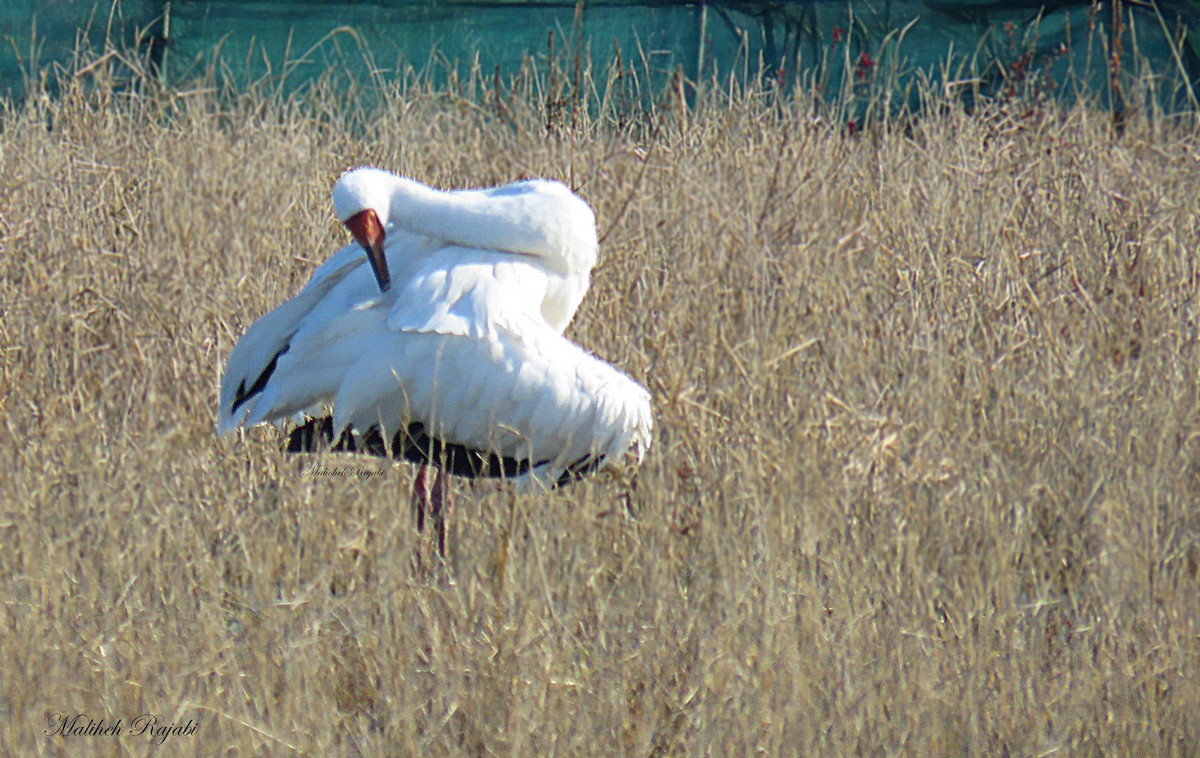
(524, 401)
(469, 293)
(436, 289)
(255, 357)
(457, 362)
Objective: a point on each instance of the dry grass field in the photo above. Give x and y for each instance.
(925, 480)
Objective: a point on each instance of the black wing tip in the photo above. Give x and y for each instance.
(415, 445)
(317, 436)
(412, 444)
(585, 466)
(243, 394)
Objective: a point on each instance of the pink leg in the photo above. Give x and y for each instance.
(422, 500)
(439, 510)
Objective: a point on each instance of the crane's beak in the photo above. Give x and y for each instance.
(368, 231)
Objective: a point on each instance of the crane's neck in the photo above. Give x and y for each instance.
(537, 218)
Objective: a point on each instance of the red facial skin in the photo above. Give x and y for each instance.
(366, 228)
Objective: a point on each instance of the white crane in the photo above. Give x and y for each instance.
(443, 344)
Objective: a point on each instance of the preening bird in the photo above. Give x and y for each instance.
(437, 339)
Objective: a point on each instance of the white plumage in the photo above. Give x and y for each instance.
(463, 352)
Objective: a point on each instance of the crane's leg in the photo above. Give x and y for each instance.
(431, 495)
(421, 496)
(440, 504)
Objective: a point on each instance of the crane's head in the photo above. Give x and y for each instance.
(362, 201)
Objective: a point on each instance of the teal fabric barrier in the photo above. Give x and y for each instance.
(1054, 49)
